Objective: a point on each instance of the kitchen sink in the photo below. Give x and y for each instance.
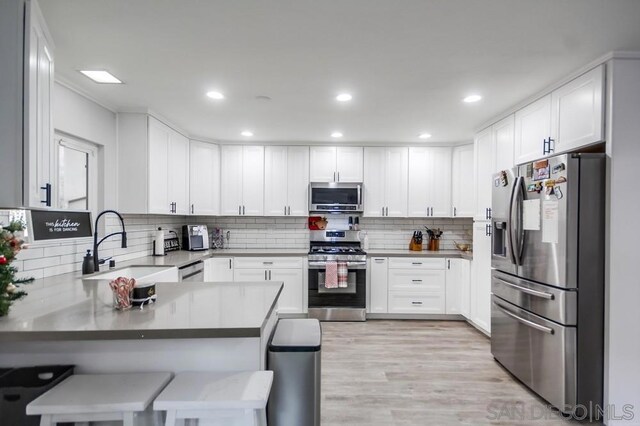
(141, 273)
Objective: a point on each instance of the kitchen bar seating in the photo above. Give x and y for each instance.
(87, 398)
(237, 398)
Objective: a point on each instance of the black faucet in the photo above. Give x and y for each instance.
(96, 259)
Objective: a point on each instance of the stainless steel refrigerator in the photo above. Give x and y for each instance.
(547, 282)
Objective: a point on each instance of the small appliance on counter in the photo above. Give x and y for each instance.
(158, 243)
(195, 237)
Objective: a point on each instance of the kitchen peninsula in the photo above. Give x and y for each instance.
(192, 326)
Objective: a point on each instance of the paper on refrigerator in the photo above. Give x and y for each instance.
(531, 215)
(550, 221)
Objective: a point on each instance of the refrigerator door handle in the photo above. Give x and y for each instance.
(515, 226)
(512, 255)
(523, 320)
(531, 292)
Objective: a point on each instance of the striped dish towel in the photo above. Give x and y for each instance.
(343, 274)
(331, 275)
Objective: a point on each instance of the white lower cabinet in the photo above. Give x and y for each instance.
(480, 309)
(458, 275)
(218, 269)
(289, 270)
(412, 285)
(378, 289)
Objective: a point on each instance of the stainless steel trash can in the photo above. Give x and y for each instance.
(294, 357)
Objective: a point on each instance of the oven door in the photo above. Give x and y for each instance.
(352, 296)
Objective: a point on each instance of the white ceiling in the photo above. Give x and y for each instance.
(407, 63)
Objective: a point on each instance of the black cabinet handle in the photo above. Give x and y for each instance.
(191, 208)
(47, 194)
(487, 230)
(455, 212)
(546, 146)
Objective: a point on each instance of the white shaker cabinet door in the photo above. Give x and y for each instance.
(484, 169)
(231, 180)
(481, 277)
(457, 294)
(418, 182)
(462, 181)
(374, 182)
(378, 272)
(218, 269)
(532, 128)
(577, 112)
(439, 189)
(504, 139)
(253, 181)
(396, 181)
(349, 164)
(178, 171)
(247, 275)
(322, 164)
(298, 181)
(158, 182)
(204, 178)
(291, 298)
(275, 180)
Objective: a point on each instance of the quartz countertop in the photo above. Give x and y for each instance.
(423, 253)
(74, 309)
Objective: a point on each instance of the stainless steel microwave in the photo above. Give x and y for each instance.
(335, 197)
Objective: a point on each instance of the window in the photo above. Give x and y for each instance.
(76, 174)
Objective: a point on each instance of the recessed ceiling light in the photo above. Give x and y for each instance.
(424, 135)
(336, 134)
(101, 76)
(344, 97)
(215, 95)
(247, 133)
(472, 98)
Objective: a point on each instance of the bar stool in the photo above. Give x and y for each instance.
(238, 397)
(99, 397)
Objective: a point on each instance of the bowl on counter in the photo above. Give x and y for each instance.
(463, 247)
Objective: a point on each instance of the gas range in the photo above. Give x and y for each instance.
(339, 246)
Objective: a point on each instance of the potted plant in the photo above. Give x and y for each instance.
(10, 245)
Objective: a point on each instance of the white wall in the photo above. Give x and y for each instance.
(622, 327)
(79, 116)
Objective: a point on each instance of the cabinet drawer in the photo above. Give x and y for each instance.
(416, 281)
(416, 263)
(268, 262)
(416, 303)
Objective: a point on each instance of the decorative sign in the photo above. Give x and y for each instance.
(171, 244)
(58, 224)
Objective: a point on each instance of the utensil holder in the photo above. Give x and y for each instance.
(414, 246)
(434, 245)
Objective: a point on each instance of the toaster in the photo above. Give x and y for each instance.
(195, 237)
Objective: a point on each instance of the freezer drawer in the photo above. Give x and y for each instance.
(549, 302)
(541, 353)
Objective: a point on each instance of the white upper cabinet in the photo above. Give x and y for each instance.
(503, 139)
(158, 173)
(231, 180)
(38, 94)
(178, 167)
(532, 129)
(242, 180)
(336, 164)
(322, 163)
(429, 182)
(577, 112)
(204, 178)
(462, 181)
(568, 118)
(484, 169)
(385, 181)
(286, 180)
(153, 166)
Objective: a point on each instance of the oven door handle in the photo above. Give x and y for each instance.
(350, 265)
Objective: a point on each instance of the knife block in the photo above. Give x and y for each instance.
(413, 246)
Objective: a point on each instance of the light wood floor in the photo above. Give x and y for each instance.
(419, 373)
